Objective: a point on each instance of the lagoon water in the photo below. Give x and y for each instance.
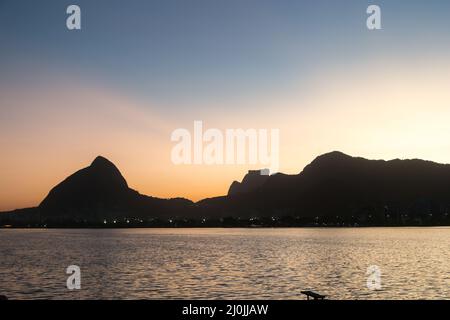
(225, 263)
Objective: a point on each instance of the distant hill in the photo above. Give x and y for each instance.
(338, 188)
(335, 189)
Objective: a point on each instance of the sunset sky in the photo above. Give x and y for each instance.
(138, 70)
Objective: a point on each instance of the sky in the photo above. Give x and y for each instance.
(138, 70)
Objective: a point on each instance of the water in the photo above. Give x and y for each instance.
(225, 263)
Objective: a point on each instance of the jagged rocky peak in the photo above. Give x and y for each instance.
(252, 180)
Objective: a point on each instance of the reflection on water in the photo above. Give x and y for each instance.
(225, 263)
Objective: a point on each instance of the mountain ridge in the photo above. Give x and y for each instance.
(333, 187)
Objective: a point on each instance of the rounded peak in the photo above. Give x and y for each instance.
(333, 156)
(101, 164)
(329, 159)
(99, 160)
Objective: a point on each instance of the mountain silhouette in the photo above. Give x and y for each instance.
(100, 184)
(337, 187)
(100, 192)
(334, 189)
(252, 180)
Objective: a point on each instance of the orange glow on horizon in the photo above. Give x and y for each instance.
(376, 112)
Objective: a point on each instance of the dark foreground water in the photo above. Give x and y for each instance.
(225, 263)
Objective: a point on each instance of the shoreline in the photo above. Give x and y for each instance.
(222, 227)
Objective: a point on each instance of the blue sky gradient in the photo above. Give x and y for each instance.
(192, 52)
